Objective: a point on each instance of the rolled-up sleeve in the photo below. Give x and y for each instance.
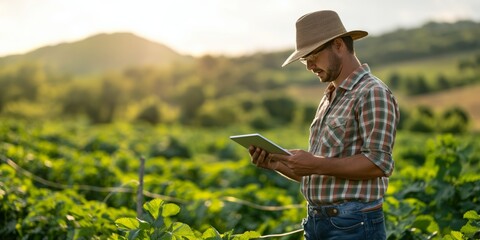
(378, 119)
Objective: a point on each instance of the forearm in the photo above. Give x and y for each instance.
(357, 167)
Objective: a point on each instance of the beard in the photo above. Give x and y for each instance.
(333, 69)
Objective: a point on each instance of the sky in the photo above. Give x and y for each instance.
(198, 27)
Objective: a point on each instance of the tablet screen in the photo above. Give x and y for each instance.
(260, 141)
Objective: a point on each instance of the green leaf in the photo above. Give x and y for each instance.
(127, 223)
(114, 236)
(211, 234)
(167, 236)
(158, 223)
(247, 235)
(469, 230)
(153, 207)
(426, 224)
(144, 225)
(456, 235)
(134, 234)
(146, 216)
(471, 215)
(181, 231)
(170, 209)
(158, 234)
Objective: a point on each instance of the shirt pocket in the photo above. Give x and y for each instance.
(334, 134)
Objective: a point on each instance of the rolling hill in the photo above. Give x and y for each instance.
(431, 39)
(430, 50)
(100, 53)
(104, 52)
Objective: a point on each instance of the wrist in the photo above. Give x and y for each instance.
(275, 165)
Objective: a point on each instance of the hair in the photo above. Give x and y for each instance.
(348, 40)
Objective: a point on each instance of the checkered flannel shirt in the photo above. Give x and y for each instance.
(361, 119)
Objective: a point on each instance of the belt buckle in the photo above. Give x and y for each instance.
(331, 211)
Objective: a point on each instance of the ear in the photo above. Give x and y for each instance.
(338, 45)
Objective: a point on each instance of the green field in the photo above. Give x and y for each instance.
(431, 68)
(69, 168)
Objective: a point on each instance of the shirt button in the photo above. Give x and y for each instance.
(335, 211)
(315, 212)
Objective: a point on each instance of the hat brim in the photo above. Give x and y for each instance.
(299, 53)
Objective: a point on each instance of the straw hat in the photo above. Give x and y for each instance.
(317, 28)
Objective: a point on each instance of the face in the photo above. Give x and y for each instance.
(324, 63)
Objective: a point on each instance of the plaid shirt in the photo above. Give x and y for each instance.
(361, 119)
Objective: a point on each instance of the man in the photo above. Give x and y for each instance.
(344, 174)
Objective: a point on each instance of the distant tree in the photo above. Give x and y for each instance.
(477, 60)
(416, 85)
(190, 101)
(464, 64)
(98, 99)
(3, 92)
(469, 63)
(169, 147)
(112, 95)
(29, 78)
(394, 81)
(455, 120)
(247, 105)
(216, 113)
(281, 108)
(23, 82)
(261, 121)
(425, 111)
(442, 82)
(309, 113)
(421, 119)
(404, 116)
(78, 98)
(150, 114)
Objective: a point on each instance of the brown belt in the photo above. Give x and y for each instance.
(379, 206)
(333, 211)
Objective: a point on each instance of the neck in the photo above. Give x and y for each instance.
(349, 64)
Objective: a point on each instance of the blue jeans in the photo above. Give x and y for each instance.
(350, 220)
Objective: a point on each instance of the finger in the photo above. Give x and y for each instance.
(251, 149)
(260, 157)
(268, 157)
(255, 154)
(263, 156)
(281, 157)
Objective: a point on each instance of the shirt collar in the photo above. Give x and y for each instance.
(351, 80)
(355, 77)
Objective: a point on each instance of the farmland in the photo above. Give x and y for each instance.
(435, 183)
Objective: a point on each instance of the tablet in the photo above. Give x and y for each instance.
(257, 140)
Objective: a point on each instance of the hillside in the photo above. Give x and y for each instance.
(100, 53)
(466, 98)
(104, 52)
(218, 90)
(431, 39)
